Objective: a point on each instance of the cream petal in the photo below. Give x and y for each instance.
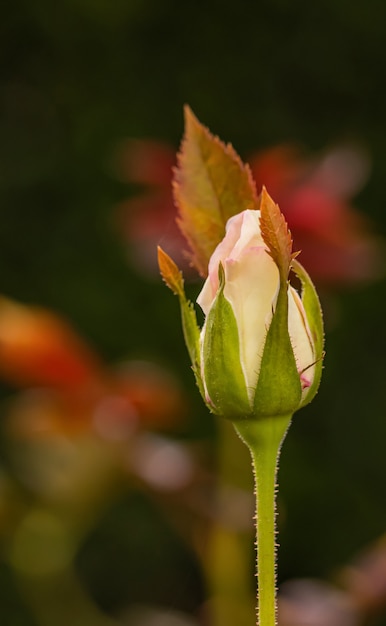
(249, 235)
(300, 335)
(224, 249)
(251, 285)
(242, 230)
(205, 297)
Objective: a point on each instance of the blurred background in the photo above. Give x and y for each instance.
(122, 501)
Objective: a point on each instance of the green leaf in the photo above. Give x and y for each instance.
(223, 374)
(211, 184)
(315, 321)
(278, 390)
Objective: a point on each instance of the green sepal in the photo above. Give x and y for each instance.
(223, 374)
(191, 332)
(175, 281)
(314, 316)
(278, 390)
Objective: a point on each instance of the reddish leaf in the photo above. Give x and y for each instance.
(275, 233)
(170, 273)
(211, 184)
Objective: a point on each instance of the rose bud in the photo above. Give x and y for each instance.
(259, 353)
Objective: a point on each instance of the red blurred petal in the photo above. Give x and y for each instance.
(154, 394)
(336, 243)
(145, 162)
(335, 240)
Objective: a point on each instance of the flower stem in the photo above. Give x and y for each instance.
(264, 438)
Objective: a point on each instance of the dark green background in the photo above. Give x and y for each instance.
(77, 77)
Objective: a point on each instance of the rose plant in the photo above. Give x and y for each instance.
(258, 357)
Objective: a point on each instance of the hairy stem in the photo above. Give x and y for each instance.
(264, 438)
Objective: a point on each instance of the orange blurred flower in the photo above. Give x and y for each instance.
(69, 389)
(39, 348)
